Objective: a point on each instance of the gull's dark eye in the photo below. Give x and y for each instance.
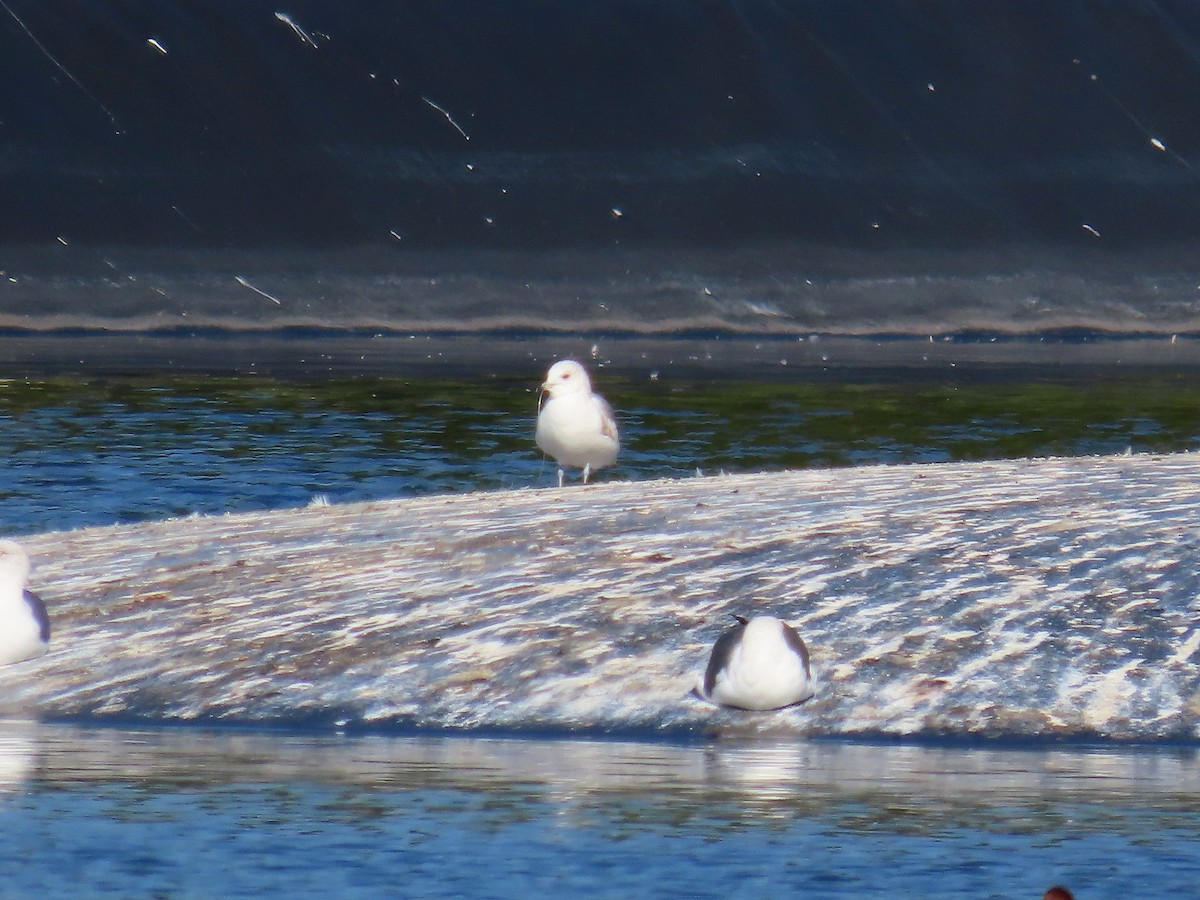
(566, 375)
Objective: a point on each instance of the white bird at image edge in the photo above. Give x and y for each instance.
(24, 624)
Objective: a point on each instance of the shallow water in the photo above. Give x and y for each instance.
(190, 812)
(95, 452)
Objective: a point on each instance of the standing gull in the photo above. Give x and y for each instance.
(760, 663)
(576, 425)
(24, 625)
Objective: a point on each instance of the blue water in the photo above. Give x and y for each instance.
(191, 813)
(250, 840)
(99, 452)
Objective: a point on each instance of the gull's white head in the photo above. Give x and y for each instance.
(14, 564)
(567, 377)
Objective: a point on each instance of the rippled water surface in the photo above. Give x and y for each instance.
(117, 450)
(188, 812)
(191, 813)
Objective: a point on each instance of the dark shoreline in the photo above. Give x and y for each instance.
(782, 289)
(321, 354)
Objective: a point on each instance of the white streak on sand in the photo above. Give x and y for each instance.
(1188, 648)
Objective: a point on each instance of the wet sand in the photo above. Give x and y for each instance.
(1045, 598)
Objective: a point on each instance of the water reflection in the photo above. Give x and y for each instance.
(203, 812)
(779, 777)
(19, 750)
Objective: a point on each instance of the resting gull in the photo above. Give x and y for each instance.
(760, 663)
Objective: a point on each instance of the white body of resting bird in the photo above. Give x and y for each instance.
(575, 425)
(24, 625)
(760, 663)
